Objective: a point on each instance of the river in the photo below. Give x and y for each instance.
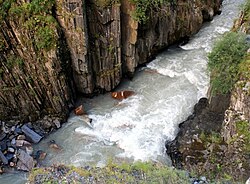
(136, 128)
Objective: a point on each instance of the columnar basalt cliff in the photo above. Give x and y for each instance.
(33, 73)
(50, 50)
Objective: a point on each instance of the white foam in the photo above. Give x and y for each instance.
(221, 30)
(141, 124)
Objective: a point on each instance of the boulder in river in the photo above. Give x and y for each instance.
(40, 155)
(120, 95)
(54, 145)
(79, 110)
(32, 135)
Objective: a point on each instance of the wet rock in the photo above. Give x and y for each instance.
(2, 135)
(25, 162)
(120, 95)
(79, 110)
(12, 136)
(12, 129)
(18, 131)
(9, 156)
(40, 155)
(11, 150)
(20, 143)
(188, 149)
(8, 143)
(57, 123)
(33, 136)
(174, 153)
(3, 158)
(202, 104)
(54, 145)
(3, 145)
(5, 129)
(13, 141)
(21, 137)
(29, 150)
(87, 120)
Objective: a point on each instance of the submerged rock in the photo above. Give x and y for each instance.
(79, 110)
(40, 155)
(54, 145)
(120, 95)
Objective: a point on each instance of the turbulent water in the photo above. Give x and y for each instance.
(137, 128)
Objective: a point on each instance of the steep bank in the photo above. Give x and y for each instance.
(86, 47)
(214, 141)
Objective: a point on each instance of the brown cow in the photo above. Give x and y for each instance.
(120, 95)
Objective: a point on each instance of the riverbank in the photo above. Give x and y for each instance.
(112, 173)
(214, 141)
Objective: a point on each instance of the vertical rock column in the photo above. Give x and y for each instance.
(165, 24)
(104, 27)
(71, 15)
(129, 37)
(33, 82)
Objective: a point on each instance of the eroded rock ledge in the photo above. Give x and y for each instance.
(83, 46)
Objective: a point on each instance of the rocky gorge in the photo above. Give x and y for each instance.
(53, 50)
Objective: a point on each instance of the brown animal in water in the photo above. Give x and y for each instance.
(120, 95)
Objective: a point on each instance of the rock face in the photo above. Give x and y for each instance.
(215, 140)
(214, 143)
(82, 46)
(34, 79)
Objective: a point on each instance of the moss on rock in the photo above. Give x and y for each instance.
(138, 172)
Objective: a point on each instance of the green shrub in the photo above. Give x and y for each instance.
(36, 17)
(143, 6)
(140, 173)
(246, 9)
(224, 61)
(243, 128)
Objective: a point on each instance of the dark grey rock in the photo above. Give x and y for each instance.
(26, 162)
(13, 141)
(3, 145)
(2, 136)
(3, 158)
(40, 155)
(9, 156)
(18, 131)
(32, 135)
(12, 129)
